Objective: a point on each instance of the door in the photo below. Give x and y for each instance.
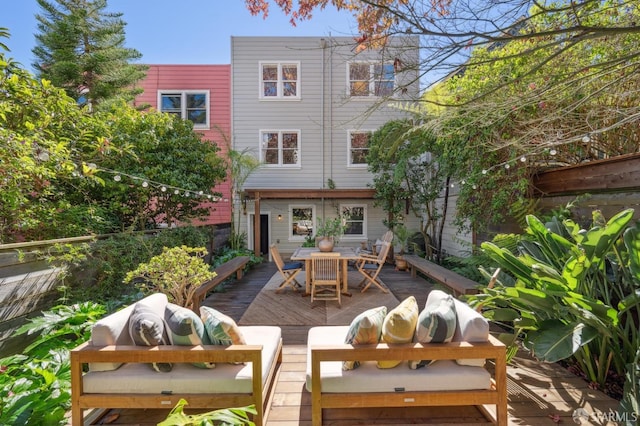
(264, 233)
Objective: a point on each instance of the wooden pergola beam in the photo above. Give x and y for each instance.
(295, 194)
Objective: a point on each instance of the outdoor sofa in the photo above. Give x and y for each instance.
(111, 371)
(457, 376)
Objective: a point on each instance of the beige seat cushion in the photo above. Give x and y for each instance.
(185, 378)
(439, 376)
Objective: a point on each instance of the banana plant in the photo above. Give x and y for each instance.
(567, 292)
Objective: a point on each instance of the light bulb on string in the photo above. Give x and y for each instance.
(163, 188)
(507, 166)
(484, 171)
(176, 192)
(117, 178)
(145, 184)
(553, 152)
(523, 159)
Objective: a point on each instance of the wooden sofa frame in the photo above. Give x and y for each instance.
(86, 353)
(493, 349)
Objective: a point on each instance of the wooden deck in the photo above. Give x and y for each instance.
(539, 394)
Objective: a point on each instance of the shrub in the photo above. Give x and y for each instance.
(571, 293)
(35, 386)
(176, 272)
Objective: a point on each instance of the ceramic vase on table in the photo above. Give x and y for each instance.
(325, 244)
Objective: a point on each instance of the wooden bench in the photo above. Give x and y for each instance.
(224, 271)
(450, 279)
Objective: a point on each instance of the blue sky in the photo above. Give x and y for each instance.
(178, 31)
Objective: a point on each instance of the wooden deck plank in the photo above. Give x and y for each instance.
(535, 390)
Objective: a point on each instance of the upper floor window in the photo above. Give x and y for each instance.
(279, 80)
(280, 147)
(358, 148)
(354, 216)
(371, 79)
(188, 105)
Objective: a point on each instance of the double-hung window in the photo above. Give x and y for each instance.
(280, 147)
(303, 218)
(355, 219)
(279, 80)
(358, 148)
(192, 105)
(371, 79)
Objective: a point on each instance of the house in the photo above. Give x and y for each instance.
(305, 107)
(202, 94)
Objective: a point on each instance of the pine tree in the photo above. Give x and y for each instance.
(80, 48)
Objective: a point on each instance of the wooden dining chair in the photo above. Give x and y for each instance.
(370, 266)
(288, 270)
(325, 276)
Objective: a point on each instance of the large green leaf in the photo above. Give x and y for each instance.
(598, 240)
(553, 280)
(508, 261)
(502, 314)
(574, 270)
(556, 341)
(632, 242)
(632, 301)
(535, 300)
(554, 245)
(605, 313)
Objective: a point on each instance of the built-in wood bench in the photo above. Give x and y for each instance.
(450, 279)
(224, 271)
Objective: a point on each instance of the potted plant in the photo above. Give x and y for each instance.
(401, 237)
(329, 232)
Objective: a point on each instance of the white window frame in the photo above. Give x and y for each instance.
(183, 104)
(372, 80)
(280, 132)
(358, 237)
(351, 164)
(280, 81)
(292, 236)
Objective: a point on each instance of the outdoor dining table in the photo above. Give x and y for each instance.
(346, 254)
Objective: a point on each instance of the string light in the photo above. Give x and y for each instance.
(146, 183)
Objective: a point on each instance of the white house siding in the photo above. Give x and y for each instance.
(324, 114)
(454, 241)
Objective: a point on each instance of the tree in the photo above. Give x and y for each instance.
(44, 136)
(410, 165)
(240, 164)
(80, 48)
(524, 85)
(165, 176)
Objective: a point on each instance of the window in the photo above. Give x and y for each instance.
(188, 105)
(280, 148)
(355, 220)
(358, 148)
(368, 79)
(279, 80)
(302, 221)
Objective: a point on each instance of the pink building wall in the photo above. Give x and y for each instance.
(217, 80)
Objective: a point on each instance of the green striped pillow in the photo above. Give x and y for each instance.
(436, 323)
(185, 328)
(365, 329)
